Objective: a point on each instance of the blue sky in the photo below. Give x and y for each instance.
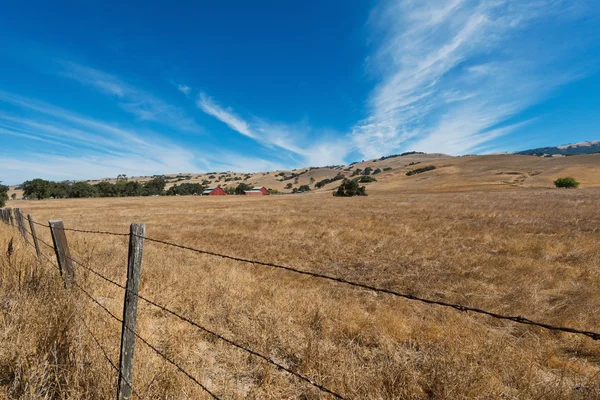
(94, 88)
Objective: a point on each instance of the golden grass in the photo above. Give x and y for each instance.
(525, 252)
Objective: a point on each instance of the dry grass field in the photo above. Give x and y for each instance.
(530, 252)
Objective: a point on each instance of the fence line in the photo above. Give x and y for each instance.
(183, 318)
(207, 330)
(518, 319)
(60, 252)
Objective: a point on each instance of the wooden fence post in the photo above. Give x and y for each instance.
(63, 255)
(10, 216)
(134, 269)
(3, 215)
(34, 235)
(21, 223)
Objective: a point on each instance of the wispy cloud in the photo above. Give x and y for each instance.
(326, 149)
(81, 147)
(101, 147)
(143, 105)
(452, 71)
(184, 89)
(225, 115)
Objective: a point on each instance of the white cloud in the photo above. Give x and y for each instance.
(451, 70)
(143, 105)
(327, 149)
(98, 149)
(225, 115)
(184, 89)
(101, 147)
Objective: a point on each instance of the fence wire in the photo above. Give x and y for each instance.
(517, 319)
(459, 307)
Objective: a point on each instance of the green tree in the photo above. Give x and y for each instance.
(80, 190)
(37, 189)
(185, 189)
(350, 188)
(242, 187)
(3, 195)
(154, 187)
(60, 190)
(288, 186)
(13, 196)
(107, 189)
(566, 183)
(132, 188)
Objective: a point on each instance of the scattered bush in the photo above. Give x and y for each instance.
(420, 170)
(325, 181)
(408, 153)
(367, 179)
(349, 188)
(288, 186)
(387, 169)
(566, 183)
(377, 171)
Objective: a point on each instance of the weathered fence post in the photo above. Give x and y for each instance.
(134, 269)
(34, 235)
(21, 223)
(3, 215)
(10, 216)
(63, 255)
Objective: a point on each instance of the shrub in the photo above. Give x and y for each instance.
(350, 188)
(387, 169)
(325, 181)
(420, 170)
(288, 186)
(377, 171)
(566, 183)
(367, 179)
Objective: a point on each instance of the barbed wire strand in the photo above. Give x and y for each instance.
(135, 333)
(83, 230)
(145, 341)
(517, 319)
(459, 307)
(117, 369)
(91, 333)
(213, 333)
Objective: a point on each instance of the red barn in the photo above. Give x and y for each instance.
(214, 191)
(257, 191)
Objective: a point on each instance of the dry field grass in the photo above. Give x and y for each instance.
(533, 252)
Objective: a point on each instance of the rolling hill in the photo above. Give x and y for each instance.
(566, 150)
(450, 174)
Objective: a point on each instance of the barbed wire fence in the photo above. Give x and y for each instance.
(66, 264)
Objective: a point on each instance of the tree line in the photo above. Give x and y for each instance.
(42, 189)
(3, 194)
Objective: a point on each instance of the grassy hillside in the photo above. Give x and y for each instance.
(452, 173)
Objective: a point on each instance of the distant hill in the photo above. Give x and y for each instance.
(565, 150)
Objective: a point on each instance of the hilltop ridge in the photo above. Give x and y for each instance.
(390, 173)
